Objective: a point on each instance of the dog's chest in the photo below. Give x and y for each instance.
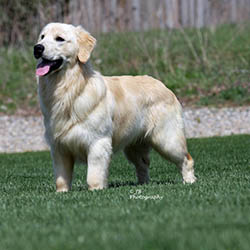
(77, 141)
(78, 137)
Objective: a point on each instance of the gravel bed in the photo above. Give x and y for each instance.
(20, 134)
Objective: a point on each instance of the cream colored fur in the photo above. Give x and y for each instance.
(88, 116)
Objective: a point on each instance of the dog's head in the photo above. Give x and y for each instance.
(60, 45)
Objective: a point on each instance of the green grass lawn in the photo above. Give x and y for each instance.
(210, 214)
(202, 66)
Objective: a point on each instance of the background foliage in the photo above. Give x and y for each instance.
(202, 66)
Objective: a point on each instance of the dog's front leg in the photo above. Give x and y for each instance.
(63, 169)
(98, 162)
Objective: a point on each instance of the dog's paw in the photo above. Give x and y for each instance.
(62, 190)
(62, 185)
(92, 188)
(189, 179)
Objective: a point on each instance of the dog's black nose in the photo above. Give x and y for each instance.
(38, 50)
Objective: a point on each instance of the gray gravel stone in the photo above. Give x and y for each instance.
(20, 134)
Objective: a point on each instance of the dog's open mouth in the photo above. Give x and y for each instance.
(46, 66)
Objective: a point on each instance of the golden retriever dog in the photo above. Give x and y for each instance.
(88, 116)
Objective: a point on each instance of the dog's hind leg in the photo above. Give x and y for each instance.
(187, 169)
(170, 142)
(180, 157)
(138, 154)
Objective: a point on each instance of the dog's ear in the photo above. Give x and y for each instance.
(86, 44)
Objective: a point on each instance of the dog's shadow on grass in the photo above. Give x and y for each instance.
(115, 184)
(118, 184)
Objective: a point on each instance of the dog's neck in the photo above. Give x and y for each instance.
(54, 88)
(59, 91)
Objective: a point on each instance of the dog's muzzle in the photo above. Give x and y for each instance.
(38, 51)
(45, 66)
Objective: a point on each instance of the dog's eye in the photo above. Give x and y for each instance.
(42, 36)
(59, 39)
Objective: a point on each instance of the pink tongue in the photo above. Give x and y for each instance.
(42, 70)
